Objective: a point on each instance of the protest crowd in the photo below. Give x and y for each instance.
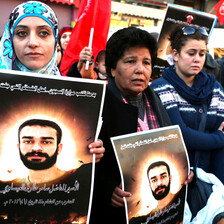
(186, 94)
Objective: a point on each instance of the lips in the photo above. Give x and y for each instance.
(138, 81)
(33, 54)
(160, 190)
(195, 67)
(36, 157)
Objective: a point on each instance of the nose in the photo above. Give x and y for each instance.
(197, 57)
(33, 40)
(139, 67)
(36, 147)
(159, 182)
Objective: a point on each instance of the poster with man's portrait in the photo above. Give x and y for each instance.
(154, 165)
(183, 17)
(47, 123)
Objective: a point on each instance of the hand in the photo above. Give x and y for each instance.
(221, 127)
(98, 149)
(85, 55)
(189, 178)
(117, 197)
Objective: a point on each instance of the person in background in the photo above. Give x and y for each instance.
(95, 70)
(100, 67)
(212, 66)
(130, 106)
(64, 36)
(29, 45)
(194, 100)
(220, 61)
(59, 55)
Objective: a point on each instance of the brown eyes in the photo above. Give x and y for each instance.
(201, 53)
(133, 61)
(24, 33)
(64, 37)
(20, 33)
(44, 33)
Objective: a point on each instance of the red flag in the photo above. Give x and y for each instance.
(92, 14)
(220, 11)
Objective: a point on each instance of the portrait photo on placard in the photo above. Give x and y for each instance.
(46, 168)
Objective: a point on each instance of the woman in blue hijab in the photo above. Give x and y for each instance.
(30, 38)
(29, 44)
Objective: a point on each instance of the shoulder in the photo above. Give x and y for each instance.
(113, 99)
(161, 84)
(82, 174)
(83, 169)
(160, 80)
(73, 71)
(217, 89)
(21, 180)
(163, 88)
(220, 61)
(217, 84)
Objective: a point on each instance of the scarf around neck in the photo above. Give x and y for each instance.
(201, 90)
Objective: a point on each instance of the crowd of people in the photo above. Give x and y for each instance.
(185, 95)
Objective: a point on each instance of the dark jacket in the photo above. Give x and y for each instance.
(118, 119)
(212, 66)
(220, 61)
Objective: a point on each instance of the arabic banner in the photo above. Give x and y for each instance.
(178, 16)
(47, 123)
(154, 165)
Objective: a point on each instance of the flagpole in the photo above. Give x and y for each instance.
(90, 45)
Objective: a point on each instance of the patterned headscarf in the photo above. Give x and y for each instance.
(8, 59)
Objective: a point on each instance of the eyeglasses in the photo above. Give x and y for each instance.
(192, 30)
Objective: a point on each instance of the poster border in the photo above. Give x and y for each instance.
(142, 133)
(99, 119)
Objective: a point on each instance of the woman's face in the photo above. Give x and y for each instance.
(33, 42)
(133, 71)
(59, 54)
(190, 60)
(65, 37)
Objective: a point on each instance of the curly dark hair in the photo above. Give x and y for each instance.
(124, 39)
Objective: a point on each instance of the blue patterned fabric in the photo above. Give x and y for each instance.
(8, 59)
